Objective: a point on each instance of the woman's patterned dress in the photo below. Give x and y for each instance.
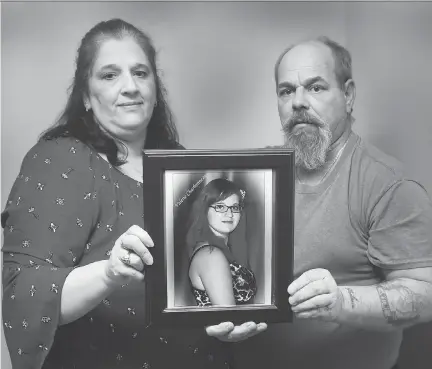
(65, 210)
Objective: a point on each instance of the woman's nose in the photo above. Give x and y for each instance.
(230, 212)
(129, 84)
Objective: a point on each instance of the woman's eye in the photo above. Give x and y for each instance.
(109, 76)
(219, 207)
(141, 73)
(236, 208)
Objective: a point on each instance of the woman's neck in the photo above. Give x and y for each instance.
(134, 149)
(220, 235)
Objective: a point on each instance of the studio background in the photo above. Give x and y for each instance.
(218, 63)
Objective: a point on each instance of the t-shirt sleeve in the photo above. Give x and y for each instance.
(400, 228)
(47, 221)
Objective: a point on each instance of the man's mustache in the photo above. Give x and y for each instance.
(299, 117)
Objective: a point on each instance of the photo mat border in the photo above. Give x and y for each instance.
(170, 204)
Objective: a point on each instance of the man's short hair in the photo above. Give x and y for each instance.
(341, 56)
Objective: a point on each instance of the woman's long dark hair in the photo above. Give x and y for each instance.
(216, 190)
(76, 122)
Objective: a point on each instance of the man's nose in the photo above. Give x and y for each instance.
(300, 99)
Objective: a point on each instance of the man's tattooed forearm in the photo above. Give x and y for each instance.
(399, 304)
(385, 306)
(353, 297)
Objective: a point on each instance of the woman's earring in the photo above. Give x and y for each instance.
(87, 108)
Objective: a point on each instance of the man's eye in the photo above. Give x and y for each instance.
(285, 92)
(316, 88)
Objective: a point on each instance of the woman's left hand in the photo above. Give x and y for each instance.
(228, 332)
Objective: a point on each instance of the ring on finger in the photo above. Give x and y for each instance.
(126, 258)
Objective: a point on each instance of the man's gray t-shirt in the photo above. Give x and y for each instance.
(365, 216)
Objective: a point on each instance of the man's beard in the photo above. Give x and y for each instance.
(310, 147)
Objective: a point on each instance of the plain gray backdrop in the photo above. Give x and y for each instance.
(217, 61)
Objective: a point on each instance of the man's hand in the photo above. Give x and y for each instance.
(315, 294)
(228, 332)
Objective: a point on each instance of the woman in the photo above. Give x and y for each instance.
(216, 278)
(73, 252)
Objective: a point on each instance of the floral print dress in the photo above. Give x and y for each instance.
(65, 210)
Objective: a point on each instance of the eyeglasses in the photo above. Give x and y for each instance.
(222, 208)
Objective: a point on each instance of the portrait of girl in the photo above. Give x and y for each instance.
(215, 277)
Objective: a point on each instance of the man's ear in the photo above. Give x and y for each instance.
(350, 94)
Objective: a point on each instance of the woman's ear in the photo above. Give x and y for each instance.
(86, 102)
(350, 94)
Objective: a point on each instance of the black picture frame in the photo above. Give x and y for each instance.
(276, 166)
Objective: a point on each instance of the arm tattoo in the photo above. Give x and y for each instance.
(400, 305)
(353, 297)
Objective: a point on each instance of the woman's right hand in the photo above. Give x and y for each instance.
(129, 256)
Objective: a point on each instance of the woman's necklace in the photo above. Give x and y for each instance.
(330, 167)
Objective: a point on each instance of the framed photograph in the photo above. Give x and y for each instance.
(223, 227)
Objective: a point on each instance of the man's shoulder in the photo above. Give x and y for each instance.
(373, 161)
(274, 147)
(378, 169)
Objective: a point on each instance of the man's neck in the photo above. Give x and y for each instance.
(316, 176)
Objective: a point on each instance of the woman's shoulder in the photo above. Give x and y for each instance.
(66, 153)
(208, 255)
(209, 251)
(63, 146)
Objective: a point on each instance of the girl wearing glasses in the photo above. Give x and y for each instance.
(215, 277)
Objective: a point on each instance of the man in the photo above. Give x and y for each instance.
(363, 239)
